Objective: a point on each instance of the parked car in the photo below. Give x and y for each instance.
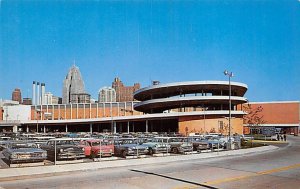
(66, 149)
(129, 146)
(4, 144)
(202, 146)
(247, 137)
(156, 146)
(97, 147)
(18, 152)
(216, 142)
(177, 144)
(198, 143)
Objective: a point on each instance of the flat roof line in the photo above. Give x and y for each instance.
(274, 102)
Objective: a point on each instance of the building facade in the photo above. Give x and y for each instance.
(80, 98)
(107, 94)
(49, 98)
(124, 93)
(282, 115)
(16, 95)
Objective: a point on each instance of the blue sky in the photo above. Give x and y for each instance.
(140, 41)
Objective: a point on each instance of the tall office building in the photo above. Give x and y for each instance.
(124, 93)
(73, 87)
(107, 94)
(16, 95)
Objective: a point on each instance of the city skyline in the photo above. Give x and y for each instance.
(144, 41)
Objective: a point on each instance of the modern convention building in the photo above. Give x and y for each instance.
(200, 106)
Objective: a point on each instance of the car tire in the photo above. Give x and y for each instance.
(150, 151)
(123, 154)
(175, 150)
(93, 155)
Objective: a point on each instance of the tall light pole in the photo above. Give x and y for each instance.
(204, 109)
(230, 75)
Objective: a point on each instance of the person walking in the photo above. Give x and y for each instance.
(284, 137)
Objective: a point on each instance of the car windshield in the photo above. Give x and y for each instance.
(67, 142)
(178, 140)
(160, 140)
(103, 143)
(22, 145)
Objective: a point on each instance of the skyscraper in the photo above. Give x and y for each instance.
(72, 85)
(124, 93)
(16, 95)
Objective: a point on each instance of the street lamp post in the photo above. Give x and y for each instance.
(229, 74)
(204, 109)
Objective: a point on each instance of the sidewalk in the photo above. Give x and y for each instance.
(29, 172)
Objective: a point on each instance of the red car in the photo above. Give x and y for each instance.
(96, 147)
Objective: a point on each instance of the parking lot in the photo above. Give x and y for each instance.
(23, 150)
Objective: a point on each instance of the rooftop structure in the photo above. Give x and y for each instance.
(212, 95)
(73, 84)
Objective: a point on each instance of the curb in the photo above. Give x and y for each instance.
(269, 142)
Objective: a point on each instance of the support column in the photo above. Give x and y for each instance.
(97, 112)
(83, 111)
(27, 129)
(66, 128)
(146, 126)
(112, 126)
(128, 127)
(121, 130)
(115, 127)
(71, 113)
(132, 126)
(65, 117)
(151, 126)
(76, 111)
(44, 129)
(15, 128)
(91, 128)
(90, 110)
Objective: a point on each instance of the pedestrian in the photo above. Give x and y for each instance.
(284, 136)
(278, 136)
(281, 137)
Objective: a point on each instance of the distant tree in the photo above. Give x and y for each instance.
(253, 118)
(212, 130)
(225, 129)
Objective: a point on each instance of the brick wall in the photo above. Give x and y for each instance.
(279, 113)
(195, 124)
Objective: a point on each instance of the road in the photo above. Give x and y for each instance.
(275, 169)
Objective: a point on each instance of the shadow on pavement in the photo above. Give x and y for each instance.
(181, 180)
